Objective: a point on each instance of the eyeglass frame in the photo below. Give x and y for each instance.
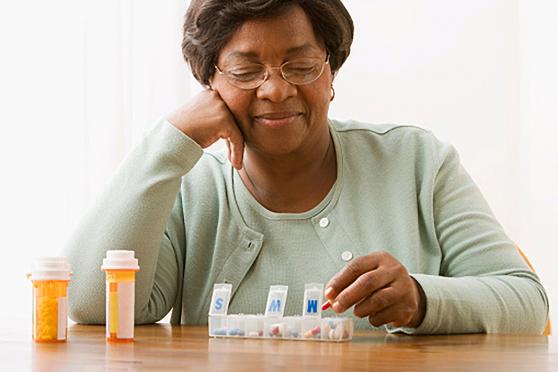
(268, 74)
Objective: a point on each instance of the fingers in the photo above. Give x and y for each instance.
(231, 133)
(376, 302)
(228, 143)
(206, 118)
(401, 303)
(236, 147)
(388, 315)
(234, 158)
(380, 288)
(361, 288)
(351, 272)
(383, 307)
(396, 315)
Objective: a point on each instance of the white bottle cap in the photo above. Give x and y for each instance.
(50, 268)
(120, 260)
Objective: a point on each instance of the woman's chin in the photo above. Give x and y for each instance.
(276, 147)
(277, 137)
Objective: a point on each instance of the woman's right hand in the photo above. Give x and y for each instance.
(206, 119)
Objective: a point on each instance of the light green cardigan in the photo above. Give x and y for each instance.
(398, 189)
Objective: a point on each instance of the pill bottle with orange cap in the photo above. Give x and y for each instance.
(120, 268)
(50, 277)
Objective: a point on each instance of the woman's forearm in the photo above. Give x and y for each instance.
(131, 214)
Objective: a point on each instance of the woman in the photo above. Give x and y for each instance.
(302, 198)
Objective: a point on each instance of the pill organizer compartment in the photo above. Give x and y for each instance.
(284, 327)
(217, 325)
(253, 326)
(235, 325)
(293, 327)
(309, 327)
(336, 329)
(274, 327)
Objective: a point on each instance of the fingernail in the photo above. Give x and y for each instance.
(328, 292)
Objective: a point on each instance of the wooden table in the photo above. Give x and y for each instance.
(162, 346)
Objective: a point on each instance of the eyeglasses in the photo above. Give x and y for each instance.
(298, 72)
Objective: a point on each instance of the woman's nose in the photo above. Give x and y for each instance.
(275, 88)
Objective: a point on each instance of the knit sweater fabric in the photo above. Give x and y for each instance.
(192, 223)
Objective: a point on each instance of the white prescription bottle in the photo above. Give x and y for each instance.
(120, 268)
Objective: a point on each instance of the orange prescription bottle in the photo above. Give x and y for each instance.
(120, 268)
(50, 277)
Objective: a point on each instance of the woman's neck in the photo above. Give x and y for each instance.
(291, 183)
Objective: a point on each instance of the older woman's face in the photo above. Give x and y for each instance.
(276, 118)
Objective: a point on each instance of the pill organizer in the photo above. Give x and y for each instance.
(273, 325)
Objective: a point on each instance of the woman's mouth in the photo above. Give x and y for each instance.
(276, 119)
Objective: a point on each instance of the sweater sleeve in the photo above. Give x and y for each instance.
(483, 285)
(135, 212)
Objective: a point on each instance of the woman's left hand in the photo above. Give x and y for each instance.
(382, 290)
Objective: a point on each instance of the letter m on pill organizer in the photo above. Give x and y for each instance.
(276, 300)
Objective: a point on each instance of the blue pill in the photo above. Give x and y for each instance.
(236, 332)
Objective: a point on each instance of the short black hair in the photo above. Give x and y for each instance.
(209, 24)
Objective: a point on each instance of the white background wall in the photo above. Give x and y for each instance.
(538, 168)
(81, 80)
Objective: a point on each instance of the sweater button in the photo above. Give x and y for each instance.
(324, 222)
(346, 256)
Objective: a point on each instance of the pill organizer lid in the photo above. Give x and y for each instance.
(120, 260)
(50, 268)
